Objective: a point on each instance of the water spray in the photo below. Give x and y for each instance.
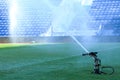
(85, 49)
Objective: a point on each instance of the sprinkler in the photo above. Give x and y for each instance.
(98, 69)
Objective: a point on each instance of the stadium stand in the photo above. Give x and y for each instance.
(105, 13)
(4, 20)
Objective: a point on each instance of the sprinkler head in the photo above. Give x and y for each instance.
(90, 54)
(93, 53)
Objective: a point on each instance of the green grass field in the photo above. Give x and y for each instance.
(56, 61)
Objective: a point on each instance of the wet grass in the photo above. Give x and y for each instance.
(56, 62)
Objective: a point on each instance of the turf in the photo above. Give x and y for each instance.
(56, 61)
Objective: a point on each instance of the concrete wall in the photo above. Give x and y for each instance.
(59, 39)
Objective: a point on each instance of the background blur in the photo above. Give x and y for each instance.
(35, 20)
